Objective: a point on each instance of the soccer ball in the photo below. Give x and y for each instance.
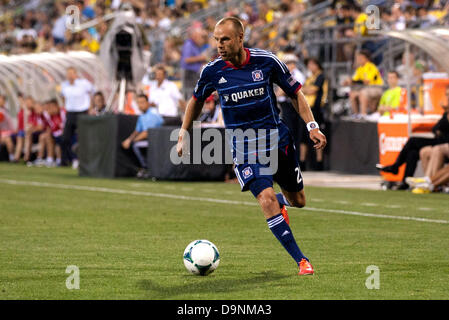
(201, 257)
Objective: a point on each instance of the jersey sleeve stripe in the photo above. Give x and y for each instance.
(280, 63)
(260, 52)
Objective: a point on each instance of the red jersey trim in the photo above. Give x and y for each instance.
(248, 55)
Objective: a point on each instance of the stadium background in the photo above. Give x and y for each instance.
(38, 35)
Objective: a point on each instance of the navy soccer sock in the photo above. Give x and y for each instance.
(284, 234)
(282, 200)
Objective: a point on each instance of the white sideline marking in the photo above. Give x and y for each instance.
(367, 204)
(393, 206)
(189, 198)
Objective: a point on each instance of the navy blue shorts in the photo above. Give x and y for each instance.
(288, 174)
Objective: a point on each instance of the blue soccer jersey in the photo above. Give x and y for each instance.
(246, 92)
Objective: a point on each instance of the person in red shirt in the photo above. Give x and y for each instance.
(20, 135)
(55, 120)
(57, 128)
(50, 138)
(6, 128)
(33, 126)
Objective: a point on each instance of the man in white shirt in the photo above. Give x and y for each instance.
(165, 96)
(76, 93)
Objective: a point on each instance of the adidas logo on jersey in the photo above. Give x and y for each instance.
(222, 80)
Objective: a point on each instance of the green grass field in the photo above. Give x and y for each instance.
(127, 238)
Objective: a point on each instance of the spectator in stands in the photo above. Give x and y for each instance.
(360, 19)
(266, 13)
(25, 32)
(165, 96)
(45, 40)
(88, 42)
(138, 139)
(98, 105)
(433, 158)
(248, 9)
(6, 128)
(315, 91)
(426, 20)
(397, 18)
(391, 98)
(410, 152)
(172, 54)
(410, 17)
(60, 24)
(76, 93)
(87, 12)
(19, 134)
(55, 127)
(418, 86)
(343, 14)
(403, 69)
(430, 184)
(43, 135)
(35, 126)
(193, 56)
(211, 114)
(366, 89)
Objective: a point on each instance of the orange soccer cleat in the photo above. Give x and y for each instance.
(305, 268)
(285, 214)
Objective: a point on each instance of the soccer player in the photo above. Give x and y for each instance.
(244, 81)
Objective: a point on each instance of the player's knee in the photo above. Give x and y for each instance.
(267, 201)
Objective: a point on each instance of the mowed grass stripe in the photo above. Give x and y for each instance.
(210, 200)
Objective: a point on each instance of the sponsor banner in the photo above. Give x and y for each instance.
(393, 135)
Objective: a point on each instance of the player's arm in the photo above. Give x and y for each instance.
(203, 89)
(302, 107)
(193, 110)
(284, 79)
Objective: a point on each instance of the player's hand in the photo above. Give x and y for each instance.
(182, 146)
(179, 146)
(318, 138)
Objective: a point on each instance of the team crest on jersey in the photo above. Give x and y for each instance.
(247, 172)
(257, 75)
